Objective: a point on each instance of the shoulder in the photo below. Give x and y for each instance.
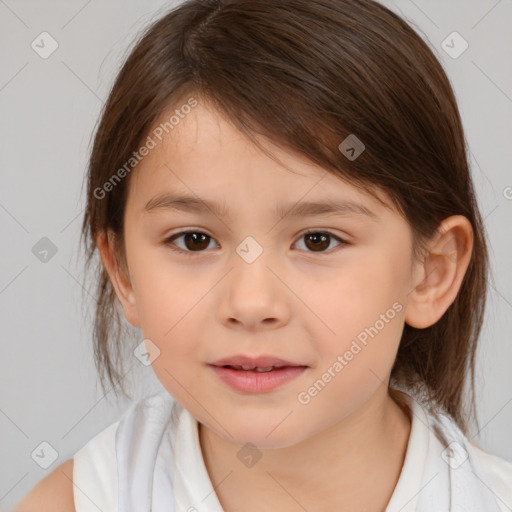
(119, 455)
(95, 472)
(494, 472)
(94, 468)
(499, 474)
(90, 474)
(54, 493)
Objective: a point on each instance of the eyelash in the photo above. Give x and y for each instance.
(170, 241)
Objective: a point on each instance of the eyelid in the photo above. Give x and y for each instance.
(169, 240)
(338, 238)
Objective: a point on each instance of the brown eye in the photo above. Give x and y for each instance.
(197, 242)
(319, 241)
(194, 241)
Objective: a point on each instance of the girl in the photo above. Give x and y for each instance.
(280, 196)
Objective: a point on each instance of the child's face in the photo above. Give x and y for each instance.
(338, 309)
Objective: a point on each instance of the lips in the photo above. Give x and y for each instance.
(259, 364)
(254, 368)
(262, 374)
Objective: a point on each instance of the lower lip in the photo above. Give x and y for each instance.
(257, 382)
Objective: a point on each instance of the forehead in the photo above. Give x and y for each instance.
(205, 156)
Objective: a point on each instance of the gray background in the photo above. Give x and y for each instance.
(48, 110)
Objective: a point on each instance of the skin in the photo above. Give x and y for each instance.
(54, 493)
(347, 445)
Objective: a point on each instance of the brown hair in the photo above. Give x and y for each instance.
(307, 74)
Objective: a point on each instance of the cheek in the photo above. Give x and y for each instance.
(163, 294)
(359, 316)
(168, 309)
(355, 296)
(177, 367)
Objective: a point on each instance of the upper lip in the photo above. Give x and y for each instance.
(257, 362)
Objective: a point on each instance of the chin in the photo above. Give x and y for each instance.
(265, 435)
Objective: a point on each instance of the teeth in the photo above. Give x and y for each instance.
(256, 368)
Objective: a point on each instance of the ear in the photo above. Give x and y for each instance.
(118, 277)
(437, 279)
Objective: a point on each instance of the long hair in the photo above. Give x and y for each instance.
(307, 74)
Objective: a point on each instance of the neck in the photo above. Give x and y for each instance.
(356, 462)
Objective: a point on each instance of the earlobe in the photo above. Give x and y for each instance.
(118, 277)
(441, 272)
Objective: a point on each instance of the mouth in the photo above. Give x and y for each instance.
(260, 364)
(256, 375)
(257, 369)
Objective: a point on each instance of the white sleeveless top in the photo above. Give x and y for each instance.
(151, 461)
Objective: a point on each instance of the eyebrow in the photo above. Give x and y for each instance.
(190, 204)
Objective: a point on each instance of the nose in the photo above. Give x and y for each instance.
(254, 297)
